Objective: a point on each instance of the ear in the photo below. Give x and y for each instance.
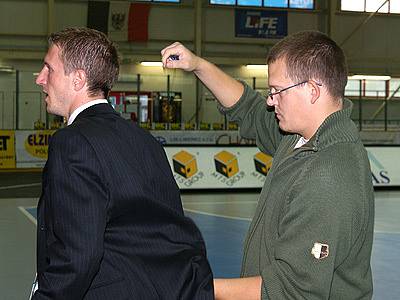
(314, 91)
(79, 80)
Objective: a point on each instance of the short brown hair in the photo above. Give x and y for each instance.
(91, 51)
(313, 55)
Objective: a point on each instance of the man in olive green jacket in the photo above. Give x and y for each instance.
(311, 236)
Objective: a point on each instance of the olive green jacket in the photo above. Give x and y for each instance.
(312, 233)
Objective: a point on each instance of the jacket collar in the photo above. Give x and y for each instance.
(336, 128)
(102, 108)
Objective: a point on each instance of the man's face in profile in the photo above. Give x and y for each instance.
(56, 85)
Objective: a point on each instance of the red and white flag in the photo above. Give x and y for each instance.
(120, 20)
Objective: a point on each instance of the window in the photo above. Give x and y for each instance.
(302, 4)
(276, 3)
(372, 6)
(352, 88)
(249, 2)
(394, 89)
(391, 6)
(307, 4)
(223, 2)
(373, 88)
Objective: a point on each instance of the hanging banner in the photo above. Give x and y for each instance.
(250, 23)
(32, 147)
(7, 149)
(121, 20)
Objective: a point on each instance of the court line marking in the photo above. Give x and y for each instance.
(27, 214)
(24, 210)
(387, 232)
(216, 215)
(19, 186)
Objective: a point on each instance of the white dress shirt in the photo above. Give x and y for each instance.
(81, 108)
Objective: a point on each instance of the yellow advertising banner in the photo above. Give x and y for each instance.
(32, 147)
(37, 143)
(7, 149)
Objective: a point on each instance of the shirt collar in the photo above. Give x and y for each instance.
(302, 141)
(81, 108)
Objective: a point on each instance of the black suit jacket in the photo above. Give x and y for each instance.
(110, 219)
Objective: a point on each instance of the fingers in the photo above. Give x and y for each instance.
(177, 56)
(167, 52)
(172, 46)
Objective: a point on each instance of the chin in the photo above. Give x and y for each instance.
(285, 128)
(282, 126)
(53, 112)
(49, 110)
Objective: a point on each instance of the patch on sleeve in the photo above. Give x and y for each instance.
(320, 251)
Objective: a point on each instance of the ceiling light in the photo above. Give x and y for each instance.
(151, 63)
(7, 69)
(369, 77)
(257, 67)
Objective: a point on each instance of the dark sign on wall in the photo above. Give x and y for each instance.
(252, 23)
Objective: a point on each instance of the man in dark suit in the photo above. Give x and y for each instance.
(110, 219)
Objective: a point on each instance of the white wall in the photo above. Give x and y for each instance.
(374, 48)
(7, 100)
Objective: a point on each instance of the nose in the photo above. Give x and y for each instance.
(271, 100)
(41, 78)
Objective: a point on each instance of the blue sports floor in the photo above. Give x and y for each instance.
(224, 219)
(225, 222)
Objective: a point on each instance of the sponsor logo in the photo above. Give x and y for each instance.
(259, 23)
(4, 141)
(226, 163)
(36, 144)
(231, 181)
(227, 169)
(265, 25)
(380, 176)
(262, 163)
(7, 149)
(188, 182)
(184, 164)
(185, 168)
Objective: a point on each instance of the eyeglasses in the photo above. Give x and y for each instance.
(271, 94)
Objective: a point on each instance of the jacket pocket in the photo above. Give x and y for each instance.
(106, 282)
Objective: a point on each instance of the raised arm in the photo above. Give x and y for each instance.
(226, 89)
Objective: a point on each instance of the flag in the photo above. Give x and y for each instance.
(120, 20)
